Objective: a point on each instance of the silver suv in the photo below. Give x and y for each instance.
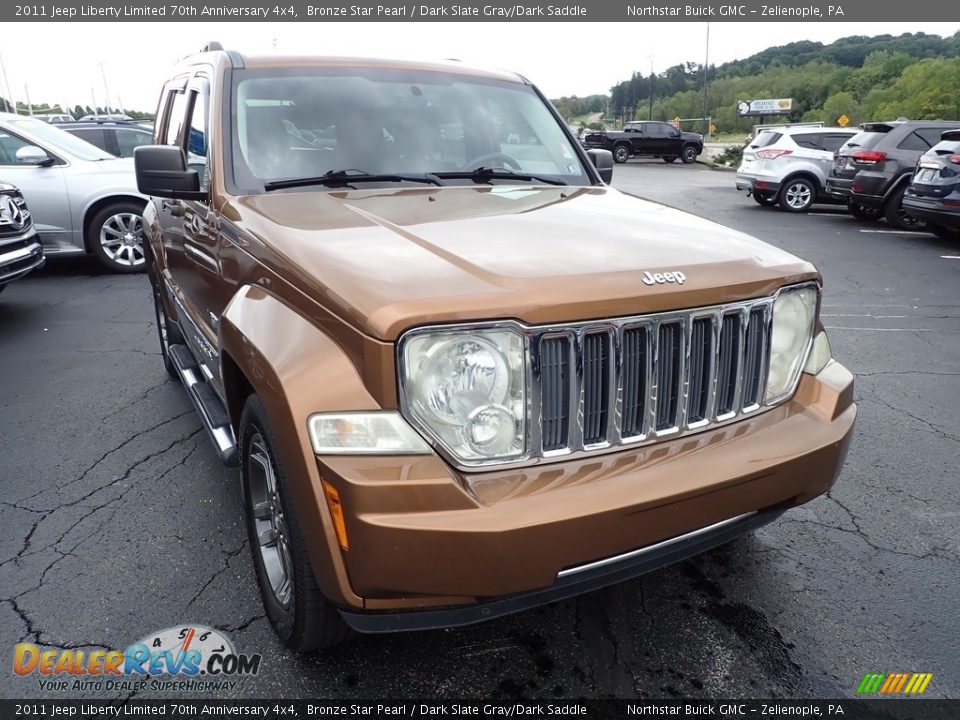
(83, 199)
(790, 166)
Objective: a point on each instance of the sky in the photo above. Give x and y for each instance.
(61, 62)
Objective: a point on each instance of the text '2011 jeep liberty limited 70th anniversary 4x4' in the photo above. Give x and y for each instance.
(462, 376)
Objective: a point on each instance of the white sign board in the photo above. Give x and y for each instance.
(773, 106)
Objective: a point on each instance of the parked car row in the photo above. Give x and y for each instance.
(900, 171)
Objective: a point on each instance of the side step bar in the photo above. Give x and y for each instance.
(212, 413)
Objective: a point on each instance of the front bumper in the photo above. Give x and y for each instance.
(19, 256)
(423, 537)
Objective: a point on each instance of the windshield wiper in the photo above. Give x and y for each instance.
(485, 174)
(344, 178)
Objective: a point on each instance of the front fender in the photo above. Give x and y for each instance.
(297, 370)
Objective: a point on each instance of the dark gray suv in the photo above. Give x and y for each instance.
(872, 170)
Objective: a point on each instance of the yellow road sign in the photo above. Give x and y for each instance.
(843, 121)
(713, 128)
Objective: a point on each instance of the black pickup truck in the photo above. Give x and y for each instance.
(650, 138)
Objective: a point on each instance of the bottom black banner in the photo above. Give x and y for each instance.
(849, 709)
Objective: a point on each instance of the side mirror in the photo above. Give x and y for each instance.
(162, 172)
(603, 161)
(33, 155)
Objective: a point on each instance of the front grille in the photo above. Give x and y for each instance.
(9, 230)
(623, 381)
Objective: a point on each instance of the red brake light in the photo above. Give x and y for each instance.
(869, 157)
(772, 154)
(955, 159)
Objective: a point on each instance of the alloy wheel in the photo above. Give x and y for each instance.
(121, 238)
(268, 517)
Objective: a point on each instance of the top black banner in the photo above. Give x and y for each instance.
(480, 11)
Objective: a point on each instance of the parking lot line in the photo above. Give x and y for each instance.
(950, 257)
(895, 232)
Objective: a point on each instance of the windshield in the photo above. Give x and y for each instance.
(57, 140)
(304, 122)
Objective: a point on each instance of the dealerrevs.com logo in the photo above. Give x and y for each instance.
(184, 658)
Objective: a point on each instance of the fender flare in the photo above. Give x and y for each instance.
(256, 333)
(903, 179)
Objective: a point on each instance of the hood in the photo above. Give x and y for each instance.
(386, 260)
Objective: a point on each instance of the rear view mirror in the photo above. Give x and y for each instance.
(603, 161)
(162, 172)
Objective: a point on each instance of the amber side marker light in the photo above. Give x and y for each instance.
(336, 512)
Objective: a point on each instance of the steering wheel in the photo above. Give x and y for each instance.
(508, 160)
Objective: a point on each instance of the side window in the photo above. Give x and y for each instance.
(197, 137)
(833, 143)
(914, 142)
(128, 139)
(931, 135)
(176, 118)
(9, 144)
(94, 136)
(811, 141)
(652, 130)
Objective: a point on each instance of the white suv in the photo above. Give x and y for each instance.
(790, 166)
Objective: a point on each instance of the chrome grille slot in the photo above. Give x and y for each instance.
(754, 358)
(668, 368)
(634, 368)
(555, 391)
(698, 374)
(596, 386)
(728, 364)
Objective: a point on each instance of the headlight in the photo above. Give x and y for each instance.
(794, 312)
(468, 391)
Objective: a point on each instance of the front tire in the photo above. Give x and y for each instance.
(797, 195)
(689, 155)
(899, 218)
(621, 153)
(116, 237)
(299, 613)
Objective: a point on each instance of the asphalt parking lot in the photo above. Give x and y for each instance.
(118, 520)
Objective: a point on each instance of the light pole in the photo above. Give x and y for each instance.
(706, 64)
(106, 92)
(3, 68)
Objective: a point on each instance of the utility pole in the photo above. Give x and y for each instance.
(26, 91)
(93, 100)
(706, 64)
(6, 84)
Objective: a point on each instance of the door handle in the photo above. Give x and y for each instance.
(174, 208)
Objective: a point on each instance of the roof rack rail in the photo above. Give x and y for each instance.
(212, 45)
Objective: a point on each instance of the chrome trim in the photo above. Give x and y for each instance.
(615, 327)
(650, 548)
(35, 250)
